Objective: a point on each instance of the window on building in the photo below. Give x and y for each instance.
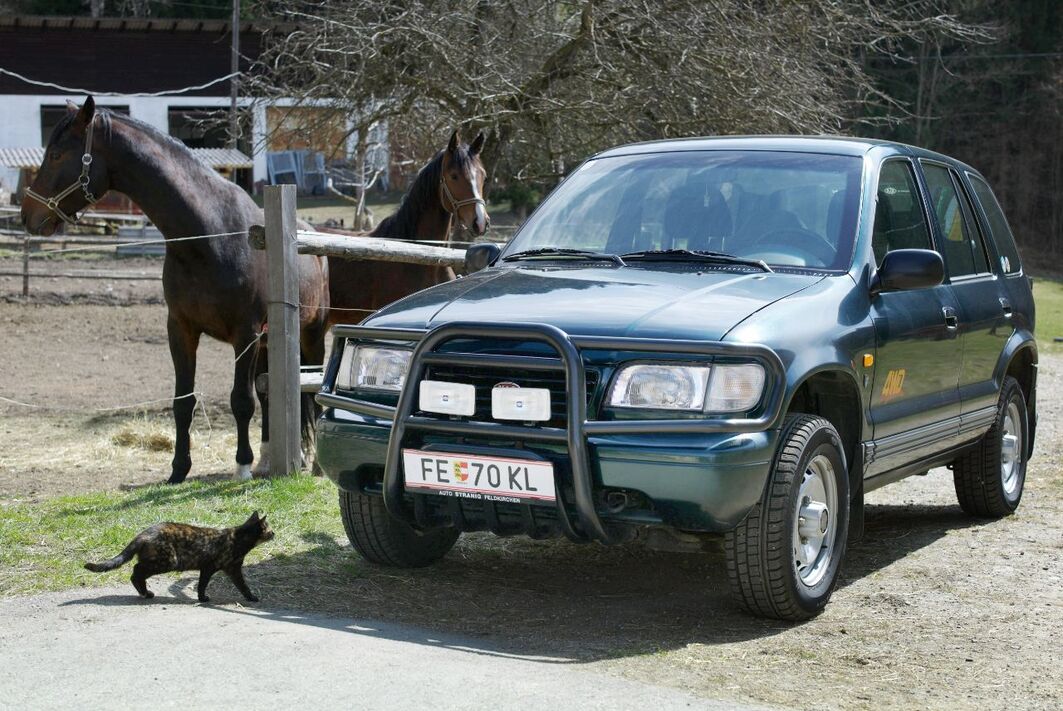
(52, 115)
(208, 127)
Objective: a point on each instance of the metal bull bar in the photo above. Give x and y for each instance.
(570, 362)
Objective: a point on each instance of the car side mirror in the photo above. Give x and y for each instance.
(904, 269)
(480, 256)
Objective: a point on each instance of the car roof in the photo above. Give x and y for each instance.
(837, 145)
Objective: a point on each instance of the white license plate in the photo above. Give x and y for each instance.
(476, 477)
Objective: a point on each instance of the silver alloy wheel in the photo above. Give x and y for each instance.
(815, 521)
(1010, 450)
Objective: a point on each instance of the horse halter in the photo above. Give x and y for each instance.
(82, 183)
(454, 203)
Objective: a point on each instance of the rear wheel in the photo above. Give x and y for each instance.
(989, 478)
(783, 560)
(381, 538)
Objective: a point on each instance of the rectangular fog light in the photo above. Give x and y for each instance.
(524, 404)
(447, 398)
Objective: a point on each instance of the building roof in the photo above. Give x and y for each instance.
(136, 24)
(213, 157)
(123, 55)
(21, 157)
(222, 157)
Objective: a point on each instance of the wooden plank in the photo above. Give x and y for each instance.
(283, 338)
(310, 382)
(373, 248)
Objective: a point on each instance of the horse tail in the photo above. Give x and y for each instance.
(120, 559)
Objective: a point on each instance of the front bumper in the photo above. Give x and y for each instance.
(691, 474)
(702, 483)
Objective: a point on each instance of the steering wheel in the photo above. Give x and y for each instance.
(803, 240)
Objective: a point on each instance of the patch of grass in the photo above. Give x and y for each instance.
(1048, 296)
(44, 545)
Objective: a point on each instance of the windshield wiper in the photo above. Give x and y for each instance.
(564, 252)
(680, 255)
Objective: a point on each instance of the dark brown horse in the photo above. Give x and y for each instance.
(214, 286)
(449, 187)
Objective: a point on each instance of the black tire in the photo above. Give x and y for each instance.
(381, 538)
(762, 559)
(983, 486)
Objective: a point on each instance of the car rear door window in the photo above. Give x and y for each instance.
(900, 222)
(961, 244)
(998, 225)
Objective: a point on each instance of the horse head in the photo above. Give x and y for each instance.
(461, 186)
(71, 177)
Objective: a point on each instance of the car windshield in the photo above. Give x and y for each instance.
(785, 209)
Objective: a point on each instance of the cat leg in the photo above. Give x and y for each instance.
(204, 580)
(236, 574)
(139, 578)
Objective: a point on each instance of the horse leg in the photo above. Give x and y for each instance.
(312, 353)
(242, 400)
(183, 344)
(262, 466)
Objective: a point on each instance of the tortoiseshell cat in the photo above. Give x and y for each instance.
(166, 547)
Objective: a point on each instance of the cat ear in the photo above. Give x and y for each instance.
(252, 518)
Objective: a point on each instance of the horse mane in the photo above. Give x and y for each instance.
(106, 118)
(423, 194)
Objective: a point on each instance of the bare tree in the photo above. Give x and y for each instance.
(553, 81)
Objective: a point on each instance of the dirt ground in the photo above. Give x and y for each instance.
(934, 609)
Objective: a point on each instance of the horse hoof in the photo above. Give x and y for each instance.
(243, 472)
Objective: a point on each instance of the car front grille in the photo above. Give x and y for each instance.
(485, 379)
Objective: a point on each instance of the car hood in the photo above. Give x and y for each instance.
(677, 301)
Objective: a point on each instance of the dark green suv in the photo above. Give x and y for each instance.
(732, 336)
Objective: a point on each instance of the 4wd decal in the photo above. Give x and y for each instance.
(894, 385)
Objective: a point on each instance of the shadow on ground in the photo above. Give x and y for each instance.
(551, 600)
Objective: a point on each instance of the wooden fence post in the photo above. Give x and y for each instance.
(283, 337)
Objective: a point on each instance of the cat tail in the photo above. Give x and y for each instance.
(120, 559)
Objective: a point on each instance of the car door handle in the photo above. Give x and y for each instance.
(951, 322)
(1006, 305)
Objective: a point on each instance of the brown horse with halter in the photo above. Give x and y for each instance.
(215, 285)
(449, 187)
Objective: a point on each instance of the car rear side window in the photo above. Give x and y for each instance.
(998, 225)
(900, 222)
(961, 244)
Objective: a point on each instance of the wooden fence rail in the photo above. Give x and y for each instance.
(350, 247)
(282, 241)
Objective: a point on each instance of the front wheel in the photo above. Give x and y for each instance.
(783, 560)
(989, 478)
(381, 538)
